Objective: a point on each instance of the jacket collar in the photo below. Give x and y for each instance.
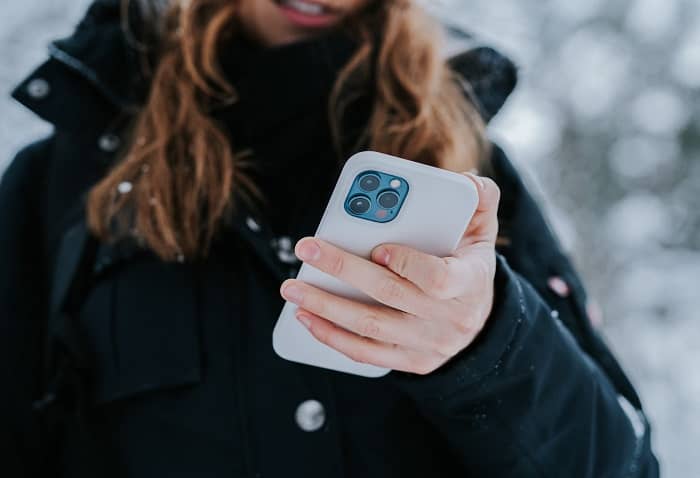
(90, 78)
(101, 53)
(110, 80)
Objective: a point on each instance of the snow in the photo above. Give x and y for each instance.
(606, 128)
(660, 111)
(686, 65)
(26, 27)
(639, 156)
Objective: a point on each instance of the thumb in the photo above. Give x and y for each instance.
(484, 224)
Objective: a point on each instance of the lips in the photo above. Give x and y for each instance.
(308, 13)
(306, 7)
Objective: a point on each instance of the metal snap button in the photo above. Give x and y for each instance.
(109, 142)
(310, 415)
(38, 88)
(284, 243)
(287, 257)
(285, 251)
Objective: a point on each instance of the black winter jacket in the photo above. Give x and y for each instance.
(116, 364)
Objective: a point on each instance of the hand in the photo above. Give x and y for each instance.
(430, 308)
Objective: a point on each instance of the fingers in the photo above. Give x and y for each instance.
(417, 275)
(450, 277)
(484, 224)
(440, 278)
(377, 282)
(374, 322)
(366, 350)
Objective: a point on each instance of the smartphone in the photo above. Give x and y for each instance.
(378, 199)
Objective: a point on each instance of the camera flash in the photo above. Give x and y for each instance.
(395, 183)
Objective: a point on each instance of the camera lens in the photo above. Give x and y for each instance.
(369, 182)
(388, 199)
(359, 205)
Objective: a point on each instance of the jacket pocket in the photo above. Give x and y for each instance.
(141, 329)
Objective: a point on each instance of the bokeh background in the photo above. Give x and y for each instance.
(605, 126)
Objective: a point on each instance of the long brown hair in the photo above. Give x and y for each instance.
(184, 170)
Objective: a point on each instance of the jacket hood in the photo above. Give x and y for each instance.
(78, 72)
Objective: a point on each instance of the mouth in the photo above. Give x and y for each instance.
(308, 13)
(305, 7)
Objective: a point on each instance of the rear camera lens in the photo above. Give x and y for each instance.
(388, 199)
(359, 205)
(369, 182)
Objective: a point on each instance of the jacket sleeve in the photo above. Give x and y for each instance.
(537, 394)
(23, 302)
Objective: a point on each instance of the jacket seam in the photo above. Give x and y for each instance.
(89, 74)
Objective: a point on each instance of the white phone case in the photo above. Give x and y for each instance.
(432, 219)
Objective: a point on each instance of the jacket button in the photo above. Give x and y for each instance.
(38, 88)
(287, 257)
(310, 415)
(109, 142)
(285, 250)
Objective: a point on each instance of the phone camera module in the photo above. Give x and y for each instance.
(376, 196)
(388, 199)
(369, 182)
(359, 205)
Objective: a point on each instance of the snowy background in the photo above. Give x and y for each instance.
(605, 126)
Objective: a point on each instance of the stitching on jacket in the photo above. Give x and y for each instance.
(76, 65)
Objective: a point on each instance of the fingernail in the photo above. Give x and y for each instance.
(304, 319)
(477, 179)
(308, 250)
(293, 293)
(382, 256)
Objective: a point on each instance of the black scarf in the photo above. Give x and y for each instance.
(281, 115)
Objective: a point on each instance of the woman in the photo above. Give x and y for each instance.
(145, 241)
